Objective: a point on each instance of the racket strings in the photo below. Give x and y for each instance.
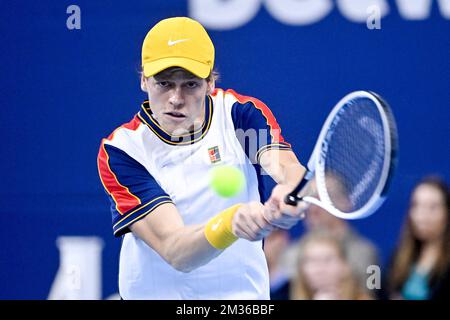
(355, 155)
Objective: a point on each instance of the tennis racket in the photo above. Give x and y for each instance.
(353, 160)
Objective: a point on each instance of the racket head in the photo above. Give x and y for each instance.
(355, 156)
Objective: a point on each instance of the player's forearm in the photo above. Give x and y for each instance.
(291, 173)
(194, 246)
(188, 249)
(185, 247)
(283, 166)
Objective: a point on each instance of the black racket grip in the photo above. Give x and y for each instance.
(292, 198)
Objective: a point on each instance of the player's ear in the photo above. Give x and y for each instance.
(211, 85)
(143, 82)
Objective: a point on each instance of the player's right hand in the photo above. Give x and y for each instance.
(280, 214)
(249, 222)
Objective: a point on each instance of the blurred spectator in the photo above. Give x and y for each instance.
(420, 267)
(274, 246)
(361, 252)
(323, 271)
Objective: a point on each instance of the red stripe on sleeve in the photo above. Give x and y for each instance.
(275, 130)
(124, 199)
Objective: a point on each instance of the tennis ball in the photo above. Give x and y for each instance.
(226, 181)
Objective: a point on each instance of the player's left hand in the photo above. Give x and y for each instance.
(249, 222)
(280, 214)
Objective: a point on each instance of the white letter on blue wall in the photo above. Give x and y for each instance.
(356, 10)
(421, 9)
(223, 15)
(294, 12)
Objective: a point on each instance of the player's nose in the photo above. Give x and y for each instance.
(176, 98)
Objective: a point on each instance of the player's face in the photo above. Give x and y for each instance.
(177, 99)
(428, 213)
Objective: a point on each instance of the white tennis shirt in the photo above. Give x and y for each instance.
(142, 167)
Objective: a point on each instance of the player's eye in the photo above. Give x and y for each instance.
(192, 84)
(163, 84)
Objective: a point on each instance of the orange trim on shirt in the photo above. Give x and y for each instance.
(275, 130)
(132, 125)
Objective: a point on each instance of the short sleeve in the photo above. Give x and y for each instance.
(256, 127)
(132, 190)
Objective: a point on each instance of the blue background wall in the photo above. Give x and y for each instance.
(63, 90)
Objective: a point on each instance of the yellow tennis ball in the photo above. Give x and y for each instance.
(226, 181)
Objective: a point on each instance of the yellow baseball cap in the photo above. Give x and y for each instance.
(178, 42)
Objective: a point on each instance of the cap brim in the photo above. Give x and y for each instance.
(199, 69)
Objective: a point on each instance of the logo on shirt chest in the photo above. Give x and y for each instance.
(214, 154)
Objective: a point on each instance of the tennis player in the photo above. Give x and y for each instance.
(180, 240)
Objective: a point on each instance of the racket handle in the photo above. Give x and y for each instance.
(292, 198)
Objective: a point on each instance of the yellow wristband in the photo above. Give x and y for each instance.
(218, 230)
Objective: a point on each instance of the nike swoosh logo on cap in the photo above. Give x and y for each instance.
(171, 43)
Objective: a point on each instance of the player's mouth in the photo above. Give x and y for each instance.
(177, 116)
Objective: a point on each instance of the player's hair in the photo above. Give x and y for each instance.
(300, 290)
(409, 247)
(214, 75)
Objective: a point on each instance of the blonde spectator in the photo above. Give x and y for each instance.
(361, 253)
(323, 271)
